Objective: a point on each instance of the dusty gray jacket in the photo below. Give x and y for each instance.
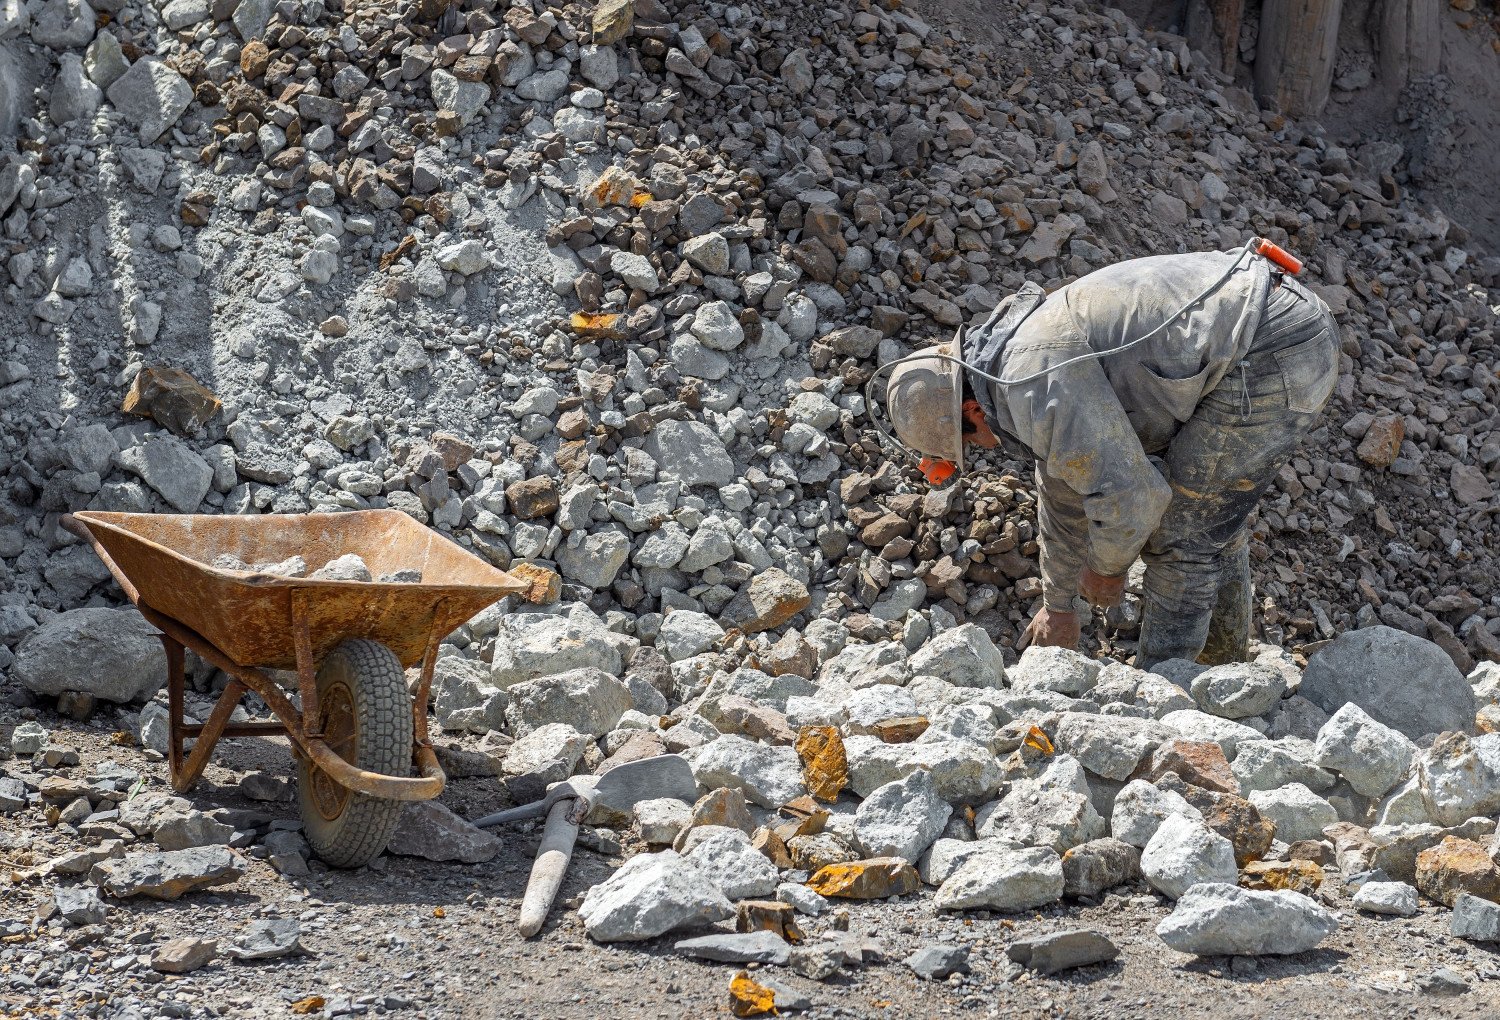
(1092, 425)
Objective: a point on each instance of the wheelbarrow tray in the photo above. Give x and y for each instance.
(165, 562)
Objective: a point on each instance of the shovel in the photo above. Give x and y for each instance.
(567, 804)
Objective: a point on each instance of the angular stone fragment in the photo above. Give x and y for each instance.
(652, 894)
(825, 769)
(902, 818)
(113, 654)
(1198, 763)
(766, 775)
(770, 599)
(1007, 881)
(1459, 777)
(1395, 898)
(727, 856)
(872, 879)
(151, 96)
(1220, 919)
(1183, 853)
(1296, 811)
(739, 947)
(964, 771)
(172, 398)
(933, 963)
(1100, 864)
(168, 875)
(1238, 690)
(1299, 876)
(433, 832)
(183, 955)
(1457, 866)
(1141, 807)
(1063, 950)
(1476, 919)
(267, 939)
(1373, 757)
(613, 20)
(1108, 746)
(964, 656)
(589, 700)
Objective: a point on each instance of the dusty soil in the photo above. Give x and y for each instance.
(416, 938)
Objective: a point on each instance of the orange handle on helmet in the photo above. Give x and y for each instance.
(1279, 255)
(936, 470)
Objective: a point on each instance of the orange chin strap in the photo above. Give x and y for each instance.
(936, 470)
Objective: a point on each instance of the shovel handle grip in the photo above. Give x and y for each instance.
(552, 858)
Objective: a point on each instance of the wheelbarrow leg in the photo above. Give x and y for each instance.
(208, 736)
(175, 679)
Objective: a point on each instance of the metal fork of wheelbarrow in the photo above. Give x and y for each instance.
(567, 804)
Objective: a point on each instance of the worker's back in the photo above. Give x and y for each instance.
(1159, 382)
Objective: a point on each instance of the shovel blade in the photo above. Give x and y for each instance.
(665, 775)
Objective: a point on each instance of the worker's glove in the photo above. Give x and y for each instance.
(1100, 591)
(1052, 628)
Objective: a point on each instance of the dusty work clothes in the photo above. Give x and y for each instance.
(1162, 450)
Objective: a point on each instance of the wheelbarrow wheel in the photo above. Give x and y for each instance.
(365, 712)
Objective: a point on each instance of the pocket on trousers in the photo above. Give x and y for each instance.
(1309, 372)
(1179, 397)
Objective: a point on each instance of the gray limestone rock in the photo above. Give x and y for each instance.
(901, 819)
(1183, 853)
(431, 831)
(151, 96)
(1373, 757)
(113, 654)
(170, 466)
(651, 895)
(1007, 881)
(587, 699)
(738, 869)
(1221, 919)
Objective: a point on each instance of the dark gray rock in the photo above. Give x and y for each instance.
(1398, 679)
(738, 947)
(1063, 950)
(933, 963)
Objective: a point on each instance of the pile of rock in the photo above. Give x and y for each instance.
(864, 771)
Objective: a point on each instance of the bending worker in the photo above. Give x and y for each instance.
(1159, 397)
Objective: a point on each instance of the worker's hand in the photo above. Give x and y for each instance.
(1100, 591)
(1052, 628)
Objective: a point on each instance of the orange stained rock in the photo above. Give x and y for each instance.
(871, 879)
(825, 769)
(605, 324)
(747, 998)
(1299, 876)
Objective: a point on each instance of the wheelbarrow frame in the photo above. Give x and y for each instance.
(300, 727)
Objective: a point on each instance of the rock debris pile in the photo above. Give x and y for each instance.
(598, 290)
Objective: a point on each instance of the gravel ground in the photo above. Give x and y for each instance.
(412, 937)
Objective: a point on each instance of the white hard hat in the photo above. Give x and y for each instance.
(925, 398)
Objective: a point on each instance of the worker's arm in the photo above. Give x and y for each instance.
(1101, 498)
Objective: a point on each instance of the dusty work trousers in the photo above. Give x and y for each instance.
(1197, 586)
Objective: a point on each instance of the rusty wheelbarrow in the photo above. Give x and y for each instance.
(360, 733)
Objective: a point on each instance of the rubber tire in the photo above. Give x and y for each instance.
(382, 705)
